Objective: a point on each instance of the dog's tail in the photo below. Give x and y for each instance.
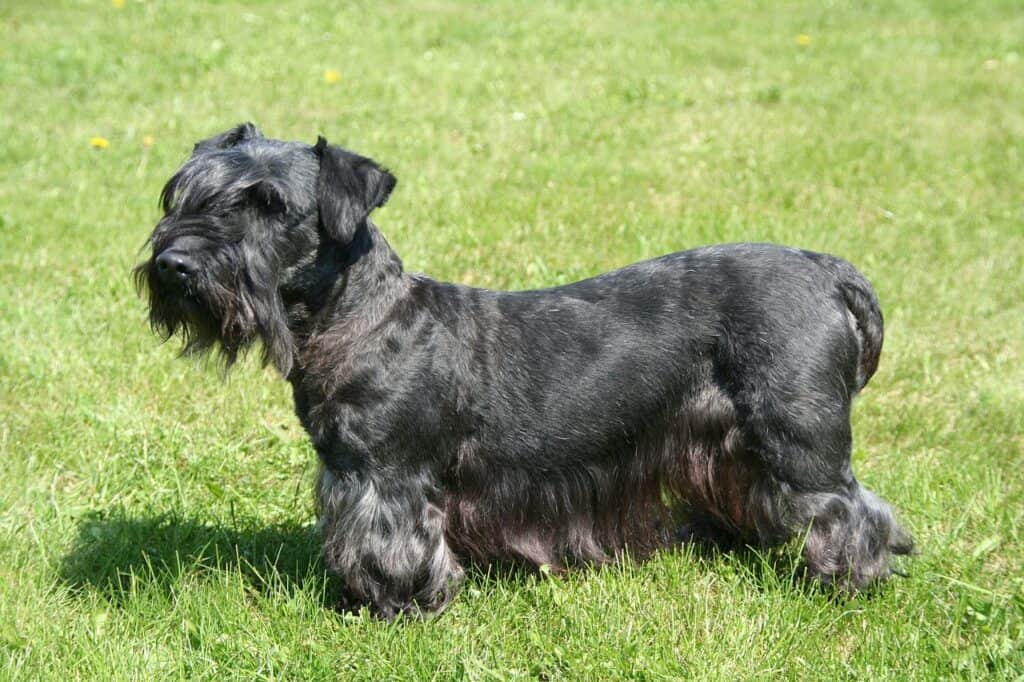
(862, 302)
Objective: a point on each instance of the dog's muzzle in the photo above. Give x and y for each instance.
(175, 268)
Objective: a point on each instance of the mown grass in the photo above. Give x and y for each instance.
(155, 521)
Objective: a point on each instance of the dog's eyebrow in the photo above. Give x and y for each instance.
(214, 180)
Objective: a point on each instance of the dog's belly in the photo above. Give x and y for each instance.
(582, 496)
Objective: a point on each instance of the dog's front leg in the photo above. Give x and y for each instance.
(384, 538)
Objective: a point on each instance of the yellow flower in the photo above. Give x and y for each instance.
(147, 141)
(803, 40)
(99, 142)
(117, 3)
(331, 76)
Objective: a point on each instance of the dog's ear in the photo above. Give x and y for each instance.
(348, 188)
(229, 138)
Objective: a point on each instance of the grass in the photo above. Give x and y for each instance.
(155, 521)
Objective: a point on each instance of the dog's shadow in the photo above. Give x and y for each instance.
(117, 554)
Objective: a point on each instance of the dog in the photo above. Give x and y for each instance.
(703, 395)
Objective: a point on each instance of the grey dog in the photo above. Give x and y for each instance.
(704, 394)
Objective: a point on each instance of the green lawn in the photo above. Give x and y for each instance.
(156, 520)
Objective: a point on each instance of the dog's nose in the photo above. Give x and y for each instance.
(174, 267)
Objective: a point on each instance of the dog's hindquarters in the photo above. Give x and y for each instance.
(793, 406)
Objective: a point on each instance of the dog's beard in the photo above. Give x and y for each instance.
(208, 315)
(193, 315)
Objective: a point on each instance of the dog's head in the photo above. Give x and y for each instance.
(244, 218)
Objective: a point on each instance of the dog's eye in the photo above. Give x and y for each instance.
(267, 197)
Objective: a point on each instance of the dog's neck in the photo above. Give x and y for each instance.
(345, 289)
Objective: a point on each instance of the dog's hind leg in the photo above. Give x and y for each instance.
(849, 533)
(808, 490)
(385, 540)
(793, 404)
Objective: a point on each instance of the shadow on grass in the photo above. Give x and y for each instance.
(119, 554)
